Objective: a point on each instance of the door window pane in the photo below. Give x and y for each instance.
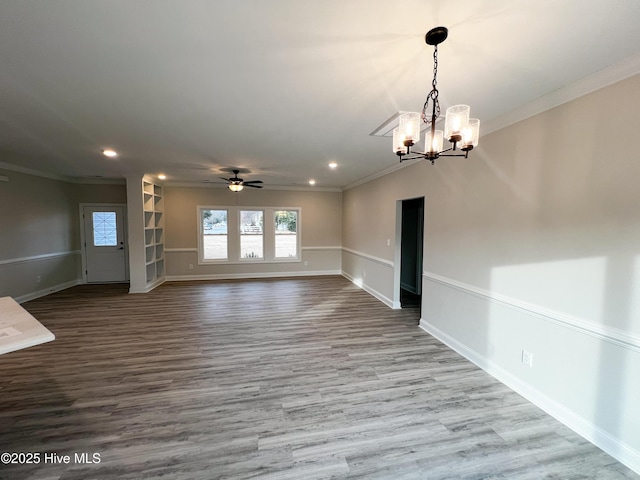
(105, 231)
(251, 234)
(214, 234)
(286, 234)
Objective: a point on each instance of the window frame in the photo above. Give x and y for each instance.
(241, 234)
(276, 234)
(234, 235)
(201, 258)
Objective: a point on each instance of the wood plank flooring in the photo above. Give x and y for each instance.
(303, 378)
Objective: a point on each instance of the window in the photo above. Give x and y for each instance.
(214, 234)
(286, 232)
(105, 232)
(251, 234)
(248, 234)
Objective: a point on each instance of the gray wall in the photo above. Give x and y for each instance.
(321, 230)
(532, 243)
(40, 232)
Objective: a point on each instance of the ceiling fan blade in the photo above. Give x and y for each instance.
(225, 179)
(253, 181)
(254, 186)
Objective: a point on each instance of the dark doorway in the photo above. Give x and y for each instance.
(411, 241)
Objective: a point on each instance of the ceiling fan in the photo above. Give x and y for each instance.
(236, 184)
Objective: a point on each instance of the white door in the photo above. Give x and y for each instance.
(105, 252)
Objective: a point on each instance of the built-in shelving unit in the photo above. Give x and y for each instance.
(146, 233)
(153, 231)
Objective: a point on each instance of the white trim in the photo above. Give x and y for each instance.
(581, 325)
(603, 78)
(602, 439)
(149, 286)
(382, 261)
(47, 291)
(234, 235)
(371, 291)
(191, 250)
(61, 178)
(390, 169)
(222, 186)
(235, 276)
(36, 258)
(248, 262)
(98, 181)
(32, 171)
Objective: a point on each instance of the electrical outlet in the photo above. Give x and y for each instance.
(38, 279)
(527, 358)
(306, 263)
(191, 266)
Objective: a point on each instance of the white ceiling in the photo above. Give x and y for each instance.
(278, 88)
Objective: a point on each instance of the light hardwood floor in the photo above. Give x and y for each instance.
(273, 379)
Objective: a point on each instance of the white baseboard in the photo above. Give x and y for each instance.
(47, 291)
(371, 291)
(603, 440)
(150, 286)
(240, 276)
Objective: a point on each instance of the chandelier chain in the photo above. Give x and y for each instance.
(434, 82)
(433, 94)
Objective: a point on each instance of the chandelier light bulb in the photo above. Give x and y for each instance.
(410, 128)
(470, 135)
(457, 119)
(434, 142)
(398, 142)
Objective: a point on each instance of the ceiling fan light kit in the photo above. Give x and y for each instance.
(236, 184)
(461, 131)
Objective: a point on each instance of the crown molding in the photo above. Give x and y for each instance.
(223, 186)
(591, 83)
(381, 173)
(32, 171)
(12, 167)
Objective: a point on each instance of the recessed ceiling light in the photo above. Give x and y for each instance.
(312, 182)
(333, 165)
(162, 176)
(109, 153)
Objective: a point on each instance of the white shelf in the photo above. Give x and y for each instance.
(154, 230)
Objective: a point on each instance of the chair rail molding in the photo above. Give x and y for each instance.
(582, 325)
(43, 256)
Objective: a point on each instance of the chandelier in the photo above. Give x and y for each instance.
(460, 130)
